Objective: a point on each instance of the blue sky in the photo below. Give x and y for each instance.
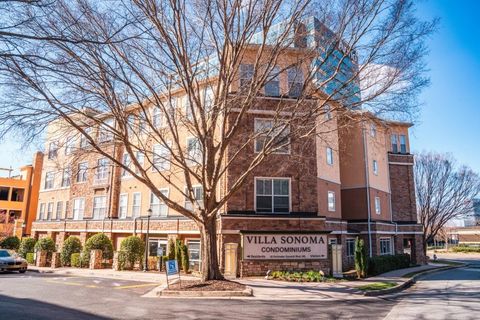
(450, 116)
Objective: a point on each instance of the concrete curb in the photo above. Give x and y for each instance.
(248, 292)
(409, 282)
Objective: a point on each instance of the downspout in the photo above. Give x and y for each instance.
(367, 178)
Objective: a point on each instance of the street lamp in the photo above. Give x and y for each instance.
(145, 265)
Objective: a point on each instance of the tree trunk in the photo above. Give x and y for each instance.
(209, 259)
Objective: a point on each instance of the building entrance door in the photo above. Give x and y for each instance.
(231, 250)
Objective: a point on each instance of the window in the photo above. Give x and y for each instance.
(136, 204)
(375, 167)
(393, 139)
(208, 99)
(194, 256)
(154, 245)
(4, 191)
(332, 241)
(140, 156)
(373, 130)
(67, 203)
(159, 208)
(272, 87)
(197, 192)
(82, 172)
(69, 145)
(106, 131)
(328, 112)
(385, 246)
(17, 194)
(329, 156)
(246, 75)
(126, 161)
(66, 174)
(49, 180)
(99, 207)
(78, 208)
(101, 173)
(378, 207)
(52, 150)
(295, 82)
(161, 158)
(58, 213)
(84, 143)
(157, 119)
(188, 108)
(122, 206)
(265, 133)
(142, 124)
(50, 211)
(331, 201)
(272, 195)
(194, 151)
(403, 144)
(41, 211)
(350, 244)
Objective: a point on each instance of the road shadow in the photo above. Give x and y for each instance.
(18, 308)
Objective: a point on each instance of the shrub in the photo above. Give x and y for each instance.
(11, 243)
(360, 258)
(309, 276)
(75, 260)
(70, 246)
(178, 252)
(98, 241)
(465, 249)
(171, 250)
(185, 261)
(131, 251)
(27, 245)
(45, 244)
(386, 263)
(30, 258)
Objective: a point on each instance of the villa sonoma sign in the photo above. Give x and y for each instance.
(284, 246)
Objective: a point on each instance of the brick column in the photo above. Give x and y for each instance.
(60, 239)
(41, 259)
(83, 237)
(96, 259)
(56, 263)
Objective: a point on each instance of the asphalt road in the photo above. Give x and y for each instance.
(446, 295)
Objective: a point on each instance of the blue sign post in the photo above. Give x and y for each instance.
(171, 269)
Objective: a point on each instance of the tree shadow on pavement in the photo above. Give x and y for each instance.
(18, 308)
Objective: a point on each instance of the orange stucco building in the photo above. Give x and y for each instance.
(19, 199)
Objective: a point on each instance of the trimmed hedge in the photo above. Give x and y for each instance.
(26, 245)
(185, 261)
(131, 251)
(98, 241)
(381, 264)
(10, 243)
(70, 246)
(309, 276)
(75, 260)
(465, 249)
(45, 244)
(30, 258)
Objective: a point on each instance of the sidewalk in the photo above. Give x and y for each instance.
(150, 276)
(346, 290)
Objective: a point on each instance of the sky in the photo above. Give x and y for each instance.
(450, 116)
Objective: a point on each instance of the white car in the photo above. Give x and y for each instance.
(10, 261)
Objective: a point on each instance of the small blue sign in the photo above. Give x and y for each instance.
(171, 267)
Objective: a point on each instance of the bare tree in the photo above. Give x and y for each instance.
(444, 192)
(123, 79)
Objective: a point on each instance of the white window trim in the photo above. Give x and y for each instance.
(326, 156)
(164, 165)
(73, 208)
(378, 200)
(126, 206)
(185, 190)
(78, 170)
(390, 247)
(288, 152)
(334, 201)
(105, 207)
(375, 167)
(161, 202)
(192, 163)
(273, 178)
(140, 204)
(346, 248)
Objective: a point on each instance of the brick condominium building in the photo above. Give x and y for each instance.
(354, 178)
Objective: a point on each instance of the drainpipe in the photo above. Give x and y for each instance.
(369, 211)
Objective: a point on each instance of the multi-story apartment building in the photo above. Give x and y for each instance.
(18, 199)
(353, 177)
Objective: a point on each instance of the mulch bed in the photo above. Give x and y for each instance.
(210, 285)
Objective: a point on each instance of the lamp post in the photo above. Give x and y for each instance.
(145, 266)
